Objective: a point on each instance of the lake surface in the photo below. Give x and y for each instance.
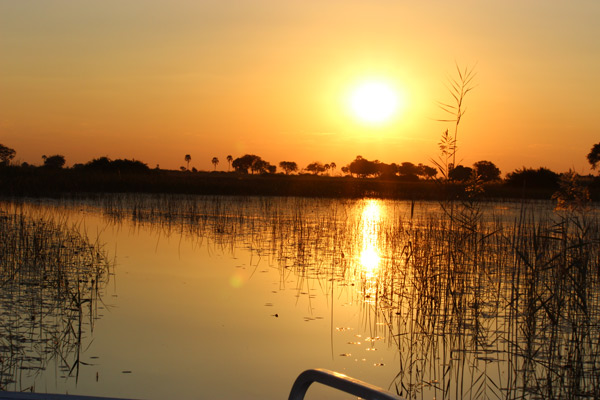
(226, 297)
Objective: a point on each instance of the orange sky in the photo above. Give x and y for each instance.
(155, 80)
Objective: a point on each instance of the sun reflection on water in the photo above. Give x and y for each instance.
(369, 260)
(370, 253)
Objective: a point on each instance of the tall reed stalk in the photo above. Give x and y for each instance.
(479, 304)
(51, 280)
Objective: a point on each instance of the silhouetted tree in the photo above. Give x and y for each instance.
(527, 177)
(425, 171)
(215, 162)
(346, 170)
(6, 154)
(288, 166)
(243, 164)
(315, 168)
(257, 165)
(460, 173)
(333, 166)
(260, 166)
(105, 164)
(229, 161)
(408, 168)
(594, 156)
(387, 171)
(124, 165)
(487, 171)
(250, 162)
(363, 167)
(102, 163)
(187, 159)
(56, 161)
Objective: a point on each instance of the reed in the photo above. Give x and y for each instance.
(479, 303)
(51, 281)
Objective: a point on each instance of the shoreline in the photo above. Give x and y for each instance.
(37, 182)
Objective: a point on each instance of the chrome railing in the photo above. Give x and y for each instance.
(329, 378)
(338, 381)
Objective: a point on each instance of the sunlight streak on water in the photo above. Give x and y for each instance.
(259, 289)
(369, 231)
(369, 260)
(370, 252)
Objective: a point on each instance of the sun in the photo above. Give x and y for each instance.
(374, 102)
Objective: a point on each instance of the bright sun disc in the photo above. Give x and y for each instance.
(374, 102)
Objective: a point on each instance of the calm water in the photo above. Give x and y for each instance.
(229, 298)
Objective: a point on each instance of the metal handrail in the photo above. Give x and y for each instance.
(303, 381)
(337, 381)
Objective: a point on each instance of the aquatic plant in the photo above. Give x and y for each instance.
(51, 281)
(501, 301)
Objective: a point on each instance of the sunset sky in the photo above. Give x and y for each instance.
(154, 80)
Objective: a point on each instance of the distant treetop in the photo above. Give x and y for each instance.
(487, 171)
(6, 154)
(594, 156)
(56, 161)
(528, 177)
(254, 163)
(119, 165)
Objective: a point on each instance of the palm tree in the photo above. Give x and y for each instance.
(229, 160)
(215, 162)
(188, 158)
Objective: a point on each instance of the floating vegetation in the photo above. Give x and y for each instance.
(51, 281)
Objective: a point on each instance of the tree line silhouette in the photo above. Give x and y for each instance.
(372, 177)
(250, 164)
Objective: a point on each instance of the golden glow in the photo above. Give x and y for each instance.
(284, 92)
(369, 259)
(369, 255)
(374, 102)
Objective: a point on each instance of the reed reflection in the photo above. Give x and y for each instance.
(478, 308)
(52, 280)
